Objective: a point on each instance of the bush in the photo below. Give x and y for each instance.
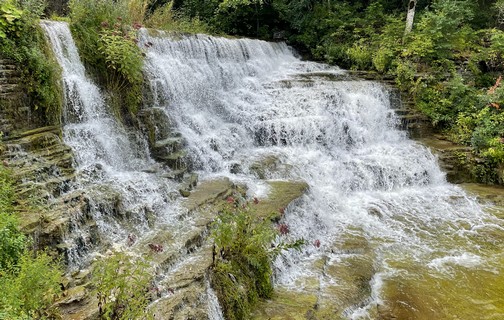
(30, 291)
(360, 55)
(121, 284)
(243, 253)
(164, 18)
(106, 38)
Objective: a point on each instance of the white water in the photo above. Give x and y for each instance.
(109, 162)
(237, 101)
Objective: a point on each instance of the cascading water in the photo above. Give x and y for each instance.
(109, 160)
(379, 213)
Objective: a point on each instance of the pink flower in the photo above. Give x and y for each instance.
(316, 243)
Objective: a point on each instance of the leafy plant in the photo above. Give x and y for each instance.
(31, 289)
(121, 284)
(29, 282)
(243, 252)
(10, 20)
(105, 35)
(165, 18)
(121, 54)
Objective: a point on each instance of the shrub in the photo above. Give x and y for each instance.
(165, 18)
(106, 39)
(243, 253)
(360, 55)
(31, 289)
(121, 284)
(10, 20)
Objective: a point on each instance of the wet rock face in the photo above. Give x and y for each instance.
(15, 111)
(43, 172)
(166, 145)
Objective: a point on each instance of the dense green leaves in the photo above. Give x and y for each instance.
(245, 246)
(30, 291)
(10, 20)
(105, 34)
(121, 283)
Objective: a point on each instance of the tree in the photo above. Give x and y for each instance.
(410, 16)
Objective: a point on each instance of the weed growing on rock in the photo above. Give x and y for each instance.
(121, 284)
(244, 247)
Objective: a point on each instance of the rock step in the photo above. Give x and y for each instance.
(175, 160)
(403, 112)
(184, 290)
(53, 129)
(9, 88)
(9, 72)
(10, 65)
(14, 96)
(9, 80)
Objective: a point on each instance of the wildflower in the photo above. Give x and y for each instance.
(283, 229)
(316, 243)
(156, 247)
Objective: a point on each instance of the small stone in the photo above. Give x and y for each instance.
(184, 193)
(235, 168)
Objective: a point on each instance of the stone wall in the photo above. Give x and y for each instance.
(15, 112)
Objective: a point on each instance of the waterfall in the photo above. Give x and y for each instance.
(375, 197)
(386, 235)
(122, 197)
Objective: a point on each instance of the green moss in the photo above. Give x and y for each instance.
(40, 73)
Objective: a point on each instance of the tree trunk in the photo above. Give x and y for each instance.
(410, 16)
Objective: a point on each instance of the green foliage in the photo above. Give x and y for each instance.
(106, 38)
(29, 283)
(12, 241)
(33, 8)
(29, 291)
(121, 284)
(243, 253)
(10, 20)
(124, 61)
(360, 55)
(25, 43)
(164, 18)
